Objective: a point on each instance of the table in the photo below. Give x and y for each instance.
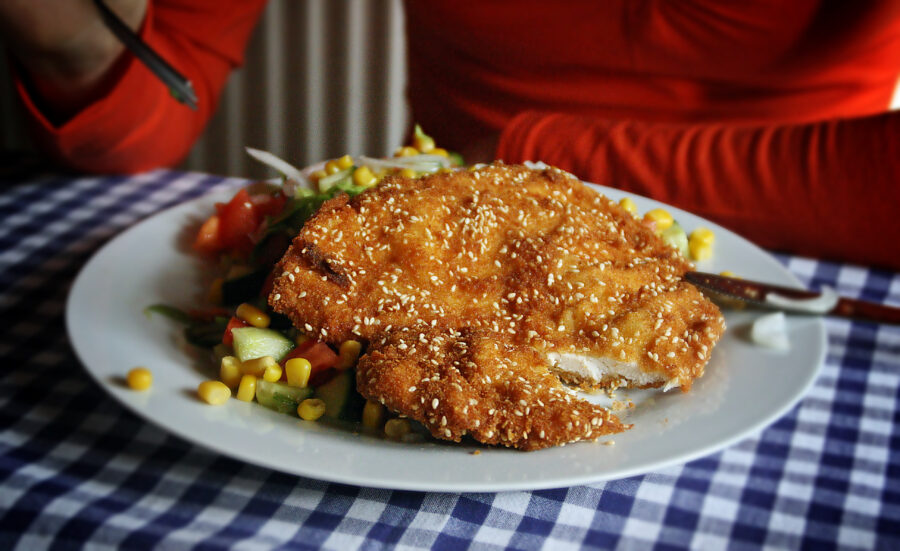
(76, 468)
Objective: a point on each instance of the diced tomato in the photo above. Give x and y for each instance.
(321, 357)
(268, 205)
(233, 323)
(207, 240)
(272, 248)
(319, 354)
(322, 377)
(298, 351)
(295, 353)
(238, 220)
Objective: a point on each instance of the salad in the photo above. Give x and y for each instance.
(259, 356)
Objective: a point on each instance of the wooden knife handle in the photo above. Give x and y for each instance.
(859, 309)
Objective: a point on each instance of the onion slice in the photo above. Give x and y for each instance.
(419, 163)
(293, 177)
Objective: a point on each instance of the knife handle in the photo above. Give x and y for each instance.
(851, 308)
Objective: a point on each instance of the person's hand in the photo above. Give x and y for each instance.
(64, 46)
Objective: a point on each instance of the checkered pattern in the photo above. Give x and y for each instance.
(76, 468)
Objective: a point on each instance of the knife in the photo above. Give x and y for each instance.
(826, 303)
(180, 87)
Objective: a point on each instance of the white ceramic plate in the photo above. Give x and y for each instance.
(745, 388)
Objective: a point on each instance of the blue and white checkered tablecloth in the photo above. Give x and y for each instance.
(76, 468)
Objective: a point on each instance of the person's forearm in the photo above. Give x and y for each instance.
(135, 124)
(64, 48)
(826, 189)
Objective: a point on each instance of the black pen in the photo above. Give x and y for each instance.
(180, 87)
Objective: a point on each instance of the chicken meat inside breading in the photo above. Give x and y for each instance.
(519, 275)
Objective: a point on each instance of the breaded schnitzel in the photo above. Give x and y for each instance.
(532, 258)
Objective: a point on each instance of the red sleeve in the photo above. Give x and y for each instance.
(137, 125)
(829, 190)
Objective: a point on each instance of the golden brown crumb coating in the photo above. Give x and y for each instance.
(533, 258)
(471, 382)
(534, 254)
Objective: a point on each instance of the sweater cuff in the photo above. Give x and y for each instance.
(110, 122)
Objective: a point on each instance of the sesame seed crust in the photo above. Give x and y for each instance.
(533, 258)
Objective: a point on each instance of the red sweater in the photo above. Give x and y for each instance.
(767, 117)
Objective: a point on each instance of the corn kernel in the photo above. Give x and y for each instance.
(364, 177)
(257, 366)
(253, 315)
(406, 151)
(703, 235)
(373, 415)
(317, 175)
(348, 353)
(701, 243)
(408, 173)
(214, 393)
(311, 409)
(230, 371)
(272, 373)
(628, 204)
(423, 143)
(729, 273)
(344, 162)
(331, 167)
(214, 295)
(439, 151)
(297, 371)
(661, 218)
(139, 378)
(397, 428)
(700, 251)
(247, 388)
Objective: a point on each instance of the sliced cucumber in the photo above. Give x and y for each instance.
(280, 397)
(255, 342)
(675, 237)
(340, 397)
